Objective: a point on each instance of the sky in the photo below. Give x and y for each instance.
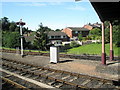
(55, 15)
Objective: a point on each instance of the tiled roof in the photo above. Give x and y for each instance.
(78, 29)
(95, 25)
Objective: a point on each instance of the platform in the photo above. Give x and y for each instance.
(86, 67)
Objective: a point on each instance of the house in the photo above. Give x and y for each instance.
(29, 39)
(91, 26)
(57, 37)
(28, 33)
(73, 32)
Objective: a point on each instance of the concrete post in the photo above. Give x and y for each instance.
(111, 43)
(103, 58)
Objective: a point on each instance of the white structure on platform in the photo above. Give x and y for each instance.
(54, 54)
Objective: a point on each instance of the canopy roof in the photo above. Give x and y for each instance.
(107, 11)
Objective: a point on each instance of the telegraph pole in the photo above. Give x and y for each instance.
(21, 24)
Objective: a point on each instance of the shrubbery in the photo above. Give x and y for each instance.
(11, 39)
(74, 44)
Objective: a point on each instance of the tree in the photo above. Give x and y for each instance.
(107, 35)
(17, 29)
(12, 26)
(116, 32)
(95, 34)
(116, 35)
(41, 38)
(5, 23)
(74, 44)
(95, 31)
(80, 38)
(57, 30)
(11, 39)
(88, 37)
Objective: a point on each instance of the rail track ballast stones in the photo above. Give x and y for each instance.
(31, 76)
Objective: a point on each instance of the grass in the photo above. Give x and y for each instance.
(93, 49)
(26, 50)
(8, 48)
(38, 51)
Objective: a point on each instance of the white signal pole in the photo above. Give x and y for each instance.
(21, 35)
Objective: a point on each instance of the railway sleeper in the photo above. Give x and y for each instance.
(67, 86)
(94, 84)
(58, 84)
(64, 77)
(35, 77)
(71, 78)
(46, 73)
(26, 83)
(14, 84)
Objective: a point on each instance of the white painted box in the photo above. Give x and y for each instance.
(54, 54)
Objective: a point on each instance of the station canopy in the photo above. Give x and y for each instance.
(107, 11)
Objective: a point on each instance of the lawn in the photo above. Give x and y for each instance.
(92, 49)
(26, 50)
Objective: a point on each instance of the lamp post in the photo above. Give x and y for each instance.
(21, 24)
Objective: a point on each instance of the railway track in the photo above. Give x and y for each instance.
(53, 78)
(11, 84)
(85, 57)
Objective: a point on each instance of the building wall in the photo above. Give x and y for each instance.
(62, 39)
(85, 33)
(76, 33)
(73, 34)
(68, 32)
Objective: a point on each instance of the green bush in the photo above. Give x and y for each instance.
(80, 38)
(11, 39)
(74, 44)
(116, 35)
(67, 46)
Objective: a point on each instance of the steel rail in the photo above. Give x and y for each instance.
(45, 72)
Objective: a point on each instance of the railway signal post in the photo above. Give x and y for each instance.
(21, 24)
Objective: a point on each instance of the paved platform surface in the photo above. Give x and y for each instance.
(85, 67)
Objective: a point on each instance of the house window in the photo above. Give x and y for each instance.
(57, 36)
(52, 36)
(76, 31)
(73, 31)
(64, 36)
